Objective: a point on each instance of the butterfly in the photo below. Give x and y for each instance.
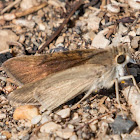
(51, 80)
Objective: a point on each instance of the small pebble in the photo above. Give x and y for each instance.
(117, 137)
(26, 4)
(132, 33)
(36, 119)
(93, 127)
(2, 137)
(121, 125)
(6, 36)
(100, 41)
(2, 116)
(45, 119)
(26, 137)
(22, 38)
(70, 126)
(50, 127)
(122, 28)
(102, 110)
(41, 26)
(75, 116)
(64, 113)
(138, 31)
(73, 137)
(24, 22)
(93, 22)
(90, 35)
(7, 134)
(113, 8)
(25, 112)
(135, 42)
(64, 133)
(2, 22)
(134, 4)
(60, 39)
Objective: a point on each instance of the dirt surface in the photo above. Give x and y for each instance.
(25, 25)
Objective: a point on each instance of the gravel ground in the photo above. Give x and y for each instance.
(95, 24)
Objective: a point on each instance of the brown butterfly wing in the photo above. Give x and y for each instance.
(60, 87)
(26, 69)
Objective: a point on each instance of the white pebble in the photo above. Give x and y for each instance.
(138, 31)
(70, 126)
(113, 8)
(134, 4)
(60, 39)
(122, 28)
(9, 17)
(93, 22)
(132, 33)
(36, 119)
(45, 119)
(93, 127)
(64, 133)
(2, 116)
(64, 113)
(2, 137)
(90, 35)
(100, 41)
(41, 26)
(49, 127)
(116, 40)
(75, 116)
(73, 137)
(24, 22)
(26, 4)
(125, 39)
(22, 38)
(6, 36)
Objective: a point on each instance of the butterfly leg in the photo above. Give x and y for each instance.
(133, 79)
(117, 95)
(86, 95)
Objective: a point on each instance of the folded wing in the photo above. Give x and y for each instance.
(60, 87)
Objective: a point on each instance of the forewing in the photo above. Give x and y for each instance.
(26, 69)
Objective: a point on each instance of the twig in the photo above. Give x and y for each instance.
(133, 24)
(11, 16)
(10, 6)
(52, 37)
(125, 20)
(31, 10)
(5, 103)
(4, 51)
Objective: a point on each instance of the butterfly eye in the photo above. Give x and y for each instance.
(121, 59)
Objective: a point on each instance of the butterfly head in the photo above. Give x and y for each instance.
(123, 59)
(123, 56)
